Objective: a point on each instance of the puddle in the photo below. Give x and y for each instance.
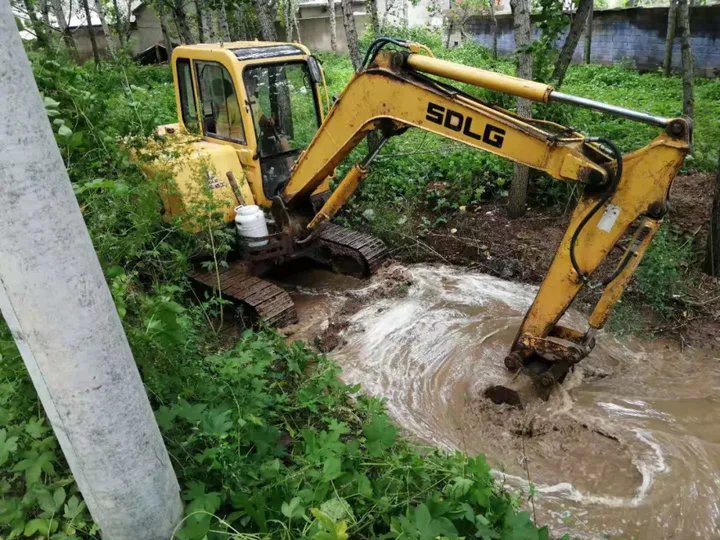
(628, 447)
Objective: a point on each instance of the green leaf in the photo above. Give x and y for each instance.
(294, 509)
(50, 103)
(43, 527)
(64, 131)
(379, 434)
(332, 469)
(8, 445)
(73, 507)
(35, 428)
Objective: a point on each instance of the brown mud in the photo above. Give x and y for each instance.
(627, 447)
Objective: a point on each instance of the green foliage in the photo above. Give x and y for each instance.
(264, 437)
(295, 455)
(659, 277)
(551, 20)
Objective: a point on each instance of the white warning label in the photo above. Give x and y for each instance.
(608, 218)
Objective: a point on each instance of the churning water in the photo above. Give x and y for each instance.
(629, 446)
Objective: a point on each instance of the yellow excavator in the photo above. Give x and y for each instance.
(259, 136)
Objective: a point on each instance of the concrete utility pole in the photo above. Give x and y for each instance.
(54, 298)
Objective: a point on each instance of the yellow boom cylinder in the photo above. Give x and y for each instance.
(506, 84)
(340, 196)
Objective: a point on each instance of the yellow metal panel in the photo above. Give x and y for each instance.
(195, 177)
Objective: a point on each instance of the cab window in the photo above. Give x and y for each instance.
(188, 110)
(285, 117)
(219, 104)
(283, 106)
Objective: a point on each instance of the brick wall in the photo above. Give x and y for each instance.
(634, 36)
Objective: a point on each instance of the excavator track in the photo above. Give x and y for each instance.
(267, 301)
(339, 246)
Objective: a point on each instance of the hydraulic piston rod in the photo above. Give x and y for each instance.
(532, 90)
(630, 114)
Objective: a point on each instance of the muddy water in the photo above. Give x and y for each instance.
(628, 447)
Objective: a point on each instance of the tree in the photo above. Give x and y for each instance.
(712, 254)
(670, 37)
(372, 10)
(223, 24)
(45, 12)
(333, 25)
(588, 34)
(200, 21)
(91, 31)
(266, 13)
(109, 38)
(37, 27)
(177, 9)
(62, 23)
(571, 41)
(290, 19)
(351, 33)
(161, 13)
(493, 28)
(521, 29)
(683, 29)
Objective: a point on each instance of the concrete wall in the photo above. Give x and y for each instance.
(314, 23)
(634, 36)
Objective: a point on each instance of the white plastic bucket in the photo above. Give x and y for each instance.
(250, 223)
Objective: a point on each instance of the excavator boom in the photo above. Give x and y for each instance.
(622, 194)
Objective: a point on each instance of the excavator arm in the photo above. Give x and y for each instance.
(623, 195)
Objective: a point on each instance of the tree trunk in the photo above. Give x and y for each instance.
(333, 25)
(670, 37)
(67, 36)
(405, 13)
(118, 24)
(449, 34)
(351, 33)
(571, 41)
(372, 10)
(38, 29)
(521, 27)
(588, 35)
(45, 13)
(109, 38)
(712, 255)
(288, 19)
(199, 13)
(63, 319)
(162, 17)
(91, 31)
(178, 11)
(223, 25)
(687, 58)
(493, 28)
(208, 27)
(266, 13)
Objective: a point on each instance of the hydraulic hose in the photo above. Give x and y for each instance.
(603, 200)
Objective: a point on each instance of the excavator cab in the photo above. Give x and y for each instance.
(261, 101)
